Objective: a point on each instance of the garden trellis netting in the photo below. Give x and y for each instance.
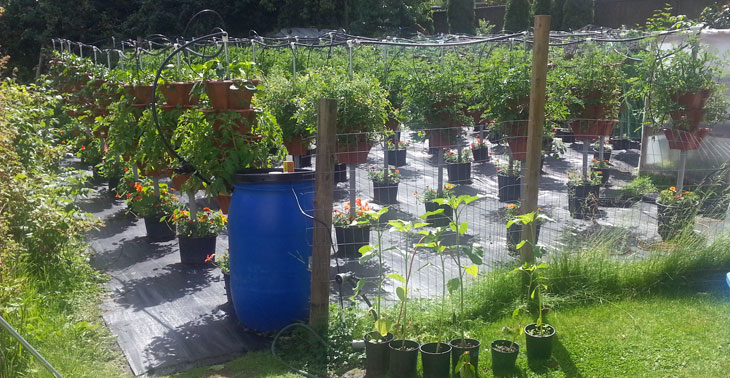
(467, 151)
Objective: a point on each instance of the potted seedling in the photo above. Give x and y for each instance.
(352, 233)
(480, 151)
(458, 166)
(508, 180)
(602, 168)
(376, 342)
(385, 185)
(154, 209)
(197, 234)
(429, 197)
(397, 153)
(583, 194)
(676, 212)
(504, 352)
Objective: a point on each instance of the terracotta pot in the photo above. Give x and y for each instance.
(586, 129)
(353, 148)
(224, 201)
(296, 146)
(218, 93)
(518, 146)
(692, 107)
(178, 180)
(141, 94)
(242, 125)
(685, 140)
(240, 98)
(179, 94)
(442, 138)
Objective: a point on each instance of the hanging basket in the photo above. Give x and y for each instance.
(141, 94)
(240, 98)
(157, 172)
(685, 140)
(296, 146)
(179, 94)
(218, 93)
(587, 129)
(353, 148)
(224, 201)
(691, 107)
(442, 138)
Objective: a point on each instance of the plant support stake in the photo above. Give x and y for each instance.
(30, 348)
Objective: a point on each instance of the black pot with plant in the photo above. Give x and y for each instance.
(403, 358)
(435, 360)
(539, 343)
(458, 166)
(504, 355)
(350, 239)
(385, 185)
(194, 250)
(377, 354)
(340, 172)
(397, 158)
(438, 220)
(459, 346)
(159, 230)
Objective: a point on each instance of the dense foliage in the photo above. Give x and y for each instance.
(517, 15)
(577, 14)
(460, 14)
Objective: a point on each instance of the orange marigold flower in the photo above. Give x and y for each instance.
(672, 188)
(206, 209)
(210, 257)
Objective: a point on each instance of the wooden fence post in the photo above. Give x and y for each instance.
(323, 193)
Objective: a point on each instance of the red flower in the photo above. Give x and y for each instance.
(82, 148)
(210, 257)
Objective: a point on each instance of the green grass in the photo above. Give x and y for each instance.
(254, 364)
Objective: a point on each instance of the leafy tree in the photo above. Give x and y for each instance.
(460, 14)
(541, 7)
(556, 11)
(577, 14)
(517, 15)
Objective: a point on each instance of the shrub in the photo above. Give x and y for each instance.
(556, 13)
(517, 15)
(577, 14)
(460, 14)
(541, 7)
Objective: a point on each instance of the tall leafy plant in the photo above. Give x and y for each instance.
(460, 15)
(577, 14)
(517, 15)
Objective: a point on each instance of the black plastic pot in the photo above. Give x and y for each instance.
(715, 208)
(403, 358)
(480, 154)
(435, 360)
(397, 158)
(621, 143)
(514, 236)
(606, 155)
(385, 194)
(583, 201)
(459, 173)
(605, 174)
(395, 137)
(672, 220)
(509, 188)
(113, 183)
(504, 355)
(305, 160)
(439, 220)
(566, 135)
(227, 285)
(377, 356)
(158, 231)
(458, 348)
(350, 239)
(539, 347)
(195, 250)
(340, 172)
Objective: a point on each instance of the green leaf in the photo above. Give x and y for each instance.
(453, 285)
(365, 249)
(397, 277)
(515, 313)
(382, 325)
(472, 270)
(357, 289)
(402, 293)
(475, 252)
(521, 244)
(510, 223)
(429, 213)
(463, 228)
(532, 295)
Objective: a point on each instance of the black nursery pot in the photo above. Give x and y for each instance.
(606, 155)
(435, 360)
(227, 285)
(509, 188)
(468, 345)
(439, 220)
(539, 347)
(403, 358)
(350, 239)
(397, 158)
(113, 184)
(605, 174)
(514, 236)
(377, 356)
(565, 135)
(459, 173)
(385, 194)
(672, 220)
(340, 172)
(583, 201)
(158, 231)
(194, 251)
(504, 355)
(480, 154)
(621, 144)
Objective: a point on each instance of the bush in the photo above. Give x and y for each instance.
(517, 15)
(541, 7)
(460, 14)
(556, 11)
(577, 14)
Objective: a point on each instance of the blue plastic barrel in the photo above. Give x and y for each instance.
(270, 244)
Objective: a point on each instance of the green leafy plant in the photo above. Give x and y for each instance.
(455, 157)
(508, 168)
(206, 223)
(638, 187)
(429, 194)
(144, 203)
(223, 263)
(282, 96)
(602, 164)
(464, 367)
(363, 215)
(384, 176)
(517, 15)
(672, 197)
(577, 179)
(397, 146)
(479, 144)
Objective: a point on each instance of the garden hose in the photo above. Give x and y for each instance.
(313, 332)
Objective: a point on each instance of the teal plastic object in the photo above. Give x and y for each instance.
(727, 279)
(270, 242)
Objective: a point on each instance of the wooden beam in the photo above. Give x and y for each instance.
(535, 129)
(323, 193)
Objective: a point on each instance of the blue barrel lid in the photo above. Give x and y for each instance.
(266, 175)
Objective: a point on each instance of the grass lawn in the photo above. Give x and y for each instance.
(684, 334)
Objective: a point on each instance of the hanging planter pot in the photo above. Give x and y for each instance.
(397, 158)
(438, 220)
(195, 250)
(480, 155)
(240, 98)
(392, 123)
(385, 193)
(442, 138)
(685, 140)
(157, 172)
(242, 124)
(672, 220)
(459, 346)
(403, 358)
(692, 107)
(435, 360)
(354, 153)
(459, 173)
(296, 146)
(583, 201)
(351, 239)
(178, 180)
(605, 174)
(158, 231)
(515, 134)
(509, 187)
(218, 93)
(504, 355)
(587, 129)
(377, 354)
(340, 172)
(539, 346)
(179, 94)
(224, 201)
